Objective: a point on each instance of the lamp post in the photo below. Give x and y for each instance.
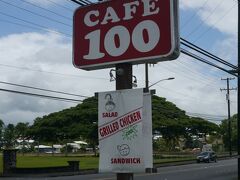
(146, 89)
(170, 78)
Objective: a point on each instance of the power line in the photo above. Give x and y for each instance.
(203, 51)
(82, 3)
(212, 26)
(87, 1)
(42, 89)
(36, 14)
(32, 27)
(41, 95)
(50, 72)
(59, 5)
(22, 25)
(194, 71)
(184, 73)
(205, 61)
(186, 96)
(47, 10)
(196, 12)
(32, 23)
(202, 21)
(206, 53)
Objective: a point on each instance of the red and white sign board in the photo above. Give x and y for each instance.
(124, 131)
(125, 31)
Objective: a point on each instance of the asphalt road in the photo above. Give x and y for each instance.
(222, 170)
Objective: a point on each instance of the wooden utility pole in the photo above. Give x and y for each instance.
(146, 78)
(229, 113)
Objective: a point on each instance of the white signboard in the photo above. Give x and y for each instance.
(120, 131)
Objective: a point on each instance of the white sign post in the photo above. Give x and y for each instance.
(120, 131)
(147, 130)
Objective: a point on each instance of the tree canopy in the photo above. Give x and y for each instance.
(224, 132)
(81, 121)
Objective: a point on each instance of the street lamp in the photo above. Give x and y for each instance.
(171, 78)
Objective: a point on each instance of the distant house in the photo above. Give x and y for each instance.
(81, 142)
(75, 147)
(49, 149)
(21, 144)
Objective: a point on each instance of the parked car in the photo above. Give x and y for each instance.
(207, 157)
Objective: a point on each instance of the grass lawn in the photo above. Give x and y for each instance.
(51, 161)
(86, 162)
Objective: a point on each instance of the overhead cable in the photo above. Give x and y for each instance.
(195, 13)
(82, 3)
(205, 61)
(200, 50)
(51, 72)
(59, 5)
(41, 95)
(205, 19)
(47, 10)
(32, 23)
(42, 89)
(206, 53)
(34, 13)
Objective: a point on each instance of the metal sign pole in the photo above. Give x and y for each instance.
(124, 81)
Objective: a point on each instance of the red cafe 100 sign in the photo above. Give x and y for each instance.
(120, 31)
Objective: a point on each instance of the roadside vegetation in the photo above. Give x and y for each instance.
(174, 132)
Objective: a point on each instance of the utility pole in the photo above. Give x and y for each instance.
(146, 78)
(229, 113)
(124, 81)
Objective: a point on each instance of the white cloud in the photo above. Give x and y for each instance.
(191, 91)
(219, 14)
(41, 52)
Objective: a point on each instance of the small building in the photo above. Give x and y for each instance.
(49, 149)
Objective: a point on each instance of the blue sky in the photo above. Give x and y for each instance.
(39, 54)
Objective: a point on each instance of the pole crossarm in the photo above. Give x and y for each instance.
(230, 89)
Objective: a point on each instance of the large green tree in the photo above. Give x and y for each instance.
(9, 136)
(174, 124)
(168, 120)
(67, 124)
(81, 121)
(21, 130)
(224, 132)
